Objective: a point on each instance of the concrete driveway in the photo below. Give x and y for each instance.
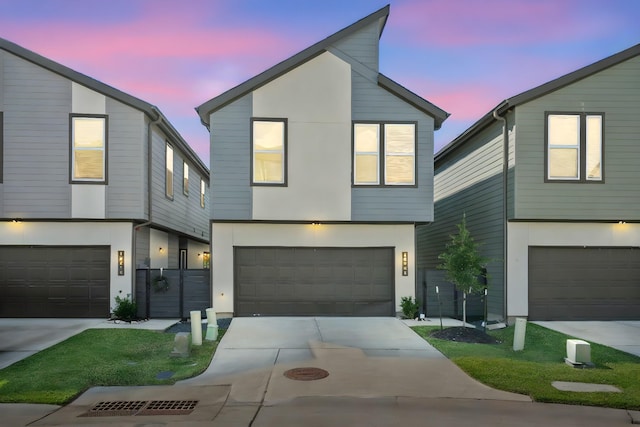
(623, 335)
(365, 357)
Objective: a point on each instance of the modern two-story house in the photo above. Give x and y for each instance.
(550, 184)
(321, 169)
(93, 183)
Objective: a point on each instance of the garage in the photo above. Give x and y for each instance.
(303, 281)
(584, 283)
(54, 281)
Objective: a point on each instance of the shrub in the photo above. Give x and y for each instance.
(409, 307)
(125, 309)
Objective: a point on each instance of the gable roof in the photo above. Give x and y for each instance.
(537, 92)
(380, 16)
(150, 110)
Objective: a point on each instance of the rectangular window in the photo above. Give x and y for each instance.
(185, 178)
(202, 192)
(269, 152)
(169, 171)
(88, 143)
(397, 142)
(574, 147)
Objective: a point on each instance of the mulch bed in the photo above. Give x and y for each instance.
(462, 334)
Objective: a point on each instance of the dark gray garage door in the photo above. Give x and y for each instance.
(314, 281)
(68, 281)
(584, 283)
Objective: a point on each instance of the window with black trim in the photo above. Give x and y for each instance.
(169, 171)
(574, 147)
(88, 146)
(203, 188)
(384, 154)
(185, 178)
(269, 151)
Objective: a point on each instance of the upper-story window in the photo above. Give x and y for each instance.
(269, 151)
(185, 178)
(384, 154)
(88, 148)
(169, 171)
(574, 147)
(1, 145)
(202, 192)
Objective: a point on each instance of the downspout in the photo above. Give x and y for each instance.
(505, 171)
(149, 199)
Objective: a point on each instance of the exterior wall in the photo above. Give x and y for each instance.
(470, 182)
(227, 235)
(116, 235)
(315, 98)
(37, 104)
(231, 161)
(615, 92)
(158, 248)
(363, 46)
(182, 213)
(521, 235)
(370, 102)
(195, 253)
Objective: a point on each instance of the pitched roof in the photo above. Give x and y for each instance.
(537, 92)
(381, 16)
(150, 110)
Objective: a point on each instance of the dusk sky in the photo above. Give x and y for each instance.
(465, 56)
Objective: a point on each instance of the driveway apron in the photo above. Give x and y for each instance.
(364, 357)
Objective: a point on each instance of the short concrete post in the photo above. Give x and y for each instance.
(578, 352)
(519, 333)
(212, 325)
(196, 327)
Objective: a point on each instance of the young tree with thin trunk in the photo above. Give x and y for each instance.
(463, 264)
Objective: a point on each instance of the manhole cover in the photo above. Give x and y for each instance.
(306, 374)
(141, 407)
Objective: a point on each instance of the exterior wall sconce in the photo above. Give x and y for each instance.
(120, 263)
(160, 249)
(405, 263)
(17, 220)
(622, 222)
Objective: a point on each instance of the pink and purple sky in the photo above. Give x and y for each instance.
(465, 56)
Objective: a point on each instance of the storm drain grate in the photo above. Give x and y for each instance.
(306, 374)
(141, 408)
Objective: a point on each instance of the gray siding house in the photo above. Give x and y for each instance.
(550, 184)
(321, 169)
(93, 183)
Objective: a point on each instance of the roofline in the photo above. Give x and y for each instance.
(537, 92)
(417, 101)
(150, 110)
(204, 110)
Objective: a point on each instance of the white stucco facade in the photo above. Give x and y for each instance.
(521, 235)
(315, 98)
(226, 236)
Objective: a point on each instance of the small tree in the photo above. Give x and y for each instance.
(463, 264)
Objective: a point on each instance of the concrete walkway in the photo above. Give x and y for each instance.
(380, 374)
(623, 335)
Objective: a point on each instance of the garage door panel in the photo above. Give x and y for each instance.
(584, 283)
(54, 281)
(314, 281)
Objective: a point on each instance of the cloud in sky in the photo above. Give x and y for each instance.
(463, 55)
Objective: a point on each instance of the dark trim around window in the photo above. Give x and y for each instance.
(382, 154)
(583, 152)
(105, 179)
(285, 173)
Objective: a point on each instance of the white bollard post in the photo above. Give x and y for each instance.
(212, 325)
(196, 327)
(519, 333)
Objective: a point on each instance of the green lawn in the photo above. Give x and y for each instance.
(532, 370)
(100, 357)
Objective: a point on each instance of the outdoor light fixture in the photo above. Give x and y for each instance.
(160, 249)
(405, 263)
(120, 263)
